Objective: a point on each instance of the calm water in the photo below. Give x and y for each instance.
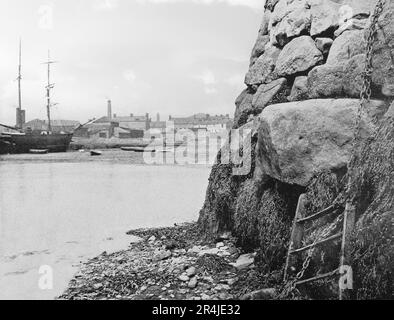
(58, 213)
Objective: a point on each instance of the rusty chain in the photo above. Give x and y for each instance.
(365, 97)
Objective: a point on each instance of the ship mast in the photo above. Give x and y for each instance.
(19, 120)
(20, 76)
(48, 88)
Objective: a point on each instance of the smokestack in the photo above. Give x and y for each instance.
(109, 112)
(158, 117)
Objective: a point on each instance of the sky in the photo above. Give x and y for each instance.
(173, 57)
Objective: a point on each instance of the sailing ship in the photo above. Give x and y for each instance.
(24, 140)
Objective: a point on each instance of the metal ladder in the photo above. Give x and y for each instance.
(297, 235)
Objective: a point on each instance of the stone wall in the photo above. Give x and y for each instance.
(301, 98)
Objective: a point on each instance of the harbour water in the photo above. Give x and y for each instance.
(57, 210)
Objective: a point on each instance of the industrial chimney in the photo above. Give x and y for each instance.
(109, 112)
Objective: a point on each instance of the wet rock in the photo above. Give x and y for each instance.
(191, 272)
(224, 236)
(193, 283)
(298, 56)
(214, 251)
(244, 261)
(162, 255)
(97, 286)
(171, 245)
(264, 294)
(219, 245)
(184, 278)
(222, 287)
(152, 239)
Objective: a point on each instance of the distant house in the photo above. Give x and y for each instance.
(212, 124)
(66, 126)
(130, 122)
(106, 130)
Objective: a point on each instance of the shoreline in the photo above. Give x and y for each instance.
(173, 263)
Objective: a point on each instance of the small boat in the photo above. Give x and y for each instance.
(95, 153)
(38, 151)
(137, 149)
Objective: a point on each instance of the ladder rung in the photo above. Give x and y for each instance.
(329, 210)
(320, 277)
(334, 237)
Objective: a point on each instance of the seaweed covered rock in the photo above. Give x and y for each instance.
(373, 188)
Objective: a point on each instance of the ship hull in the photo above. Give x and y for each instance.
(23, 143)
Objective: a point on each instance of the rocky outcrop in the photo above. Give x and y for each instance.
(298, 140)
(302, 97)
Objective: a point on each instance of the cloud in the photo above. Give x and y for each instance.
(129, 75)
(254, 4)
(235, 80)
(208, 79)
(105, 5)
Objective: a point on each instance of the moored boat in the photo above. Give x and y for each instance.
(23, 141)
(38, 151)
(95, 153)
(137, 149)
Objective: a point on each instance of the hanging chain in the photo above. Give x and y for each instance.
(366, 90)
(365, 97)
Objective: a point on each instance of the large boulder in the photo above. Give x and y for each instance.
(289, 19)
(326, 81)
(325, 16)
(262, 69)
(346, 46)
(300, 55)
(299, 139)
